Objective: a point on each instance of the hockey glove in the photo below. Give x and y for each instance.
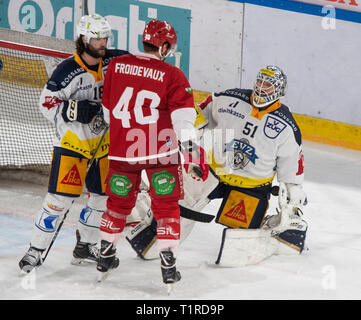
(291, 194)
(82, 111)
(195, 161)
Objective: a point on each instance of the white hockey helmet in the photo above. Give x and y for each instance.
(270, 85)
(93, 26)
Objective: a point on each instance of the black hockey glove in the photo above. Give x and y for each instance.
(82, 111)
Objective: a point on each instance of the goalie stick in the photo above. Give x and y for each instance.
(195, 215)
(205, 217)
(90, 163)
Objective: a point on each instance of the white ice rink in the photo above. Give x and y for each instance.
(329, 270)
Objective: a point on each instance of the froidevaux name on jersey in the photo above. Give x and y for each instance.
(139, 71)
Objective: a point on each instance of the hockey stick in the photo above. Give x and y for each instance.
(90, 163)
(54, 237)
(195, 215)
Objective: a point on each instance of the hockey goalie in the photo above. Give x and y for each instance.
(252, 138)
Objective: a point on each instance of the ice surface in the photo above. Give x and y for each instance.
(330, 269)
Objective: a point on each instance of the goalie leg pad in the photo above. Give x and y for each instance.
(143, 236)
(139, 212)
(241, 247)
(292, 239)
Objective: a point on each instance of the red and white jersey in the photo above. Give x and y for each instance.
(146, 102)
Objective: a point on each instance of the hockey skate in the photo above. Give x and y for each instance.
(169, 272)
(107, 261)
(31, 260)
(84, 252)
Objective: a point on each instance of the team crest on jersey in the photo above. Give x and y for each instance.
(97, 124)
(273, 127)
(240, 153)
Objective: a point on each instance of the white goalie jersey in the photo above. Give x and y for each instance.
(250, 146)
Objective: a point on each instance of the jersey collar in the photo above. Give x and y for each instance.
(258, 114)
(98, 75)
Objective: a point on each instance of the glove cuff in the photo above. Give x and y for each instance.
(72, 111)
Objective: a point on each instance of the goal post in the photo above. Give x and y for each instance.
(26, 136)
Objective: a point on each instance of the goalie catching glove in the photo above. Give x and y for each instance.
(82, 111)
(194, 160)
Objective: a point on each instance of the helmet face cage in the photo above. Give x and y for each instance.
(93, 26)
(270, 85)
(157, 33)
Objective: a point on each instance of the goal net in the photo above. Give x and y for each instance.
(26, 136)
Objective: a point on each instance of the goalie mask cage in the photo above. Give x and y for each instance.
(26, 136)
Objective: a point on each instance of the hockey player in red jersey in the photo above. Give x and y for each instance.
(150, 109)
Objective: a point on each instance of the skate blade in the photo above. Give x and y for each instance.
(81, 262)
(170, 288)
(104, 275)
(26, 271)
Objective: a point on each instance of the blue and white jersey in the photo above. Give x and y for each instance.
(250, 146)
(72, 79)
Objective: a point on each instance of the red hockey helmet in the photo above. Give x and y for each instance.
(158, 32)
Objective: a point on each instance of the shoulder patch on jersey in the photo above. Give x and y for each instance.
(273, 127)
(64, 74)
(243, 94)
(285, 114)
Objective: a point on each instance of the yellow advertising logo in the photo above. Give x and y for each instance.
(238, 213)
(238, 210)
(72, 177)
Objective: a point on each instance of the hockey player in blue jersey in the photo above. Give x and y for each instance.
(71, 100)
(254, 138)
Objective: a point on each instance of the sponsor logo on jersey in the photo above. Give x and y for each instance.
(72, 74)
(85, 214)
(301, 164)
(231, 112)
(120, 185)
(109, 226)
(167, 231)
(241, 148)
(51, 102)
(54, 207)
(47, 222)
(85, 87)
(238, 212)
(163, 182)
(273, 127)
(72, 177)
